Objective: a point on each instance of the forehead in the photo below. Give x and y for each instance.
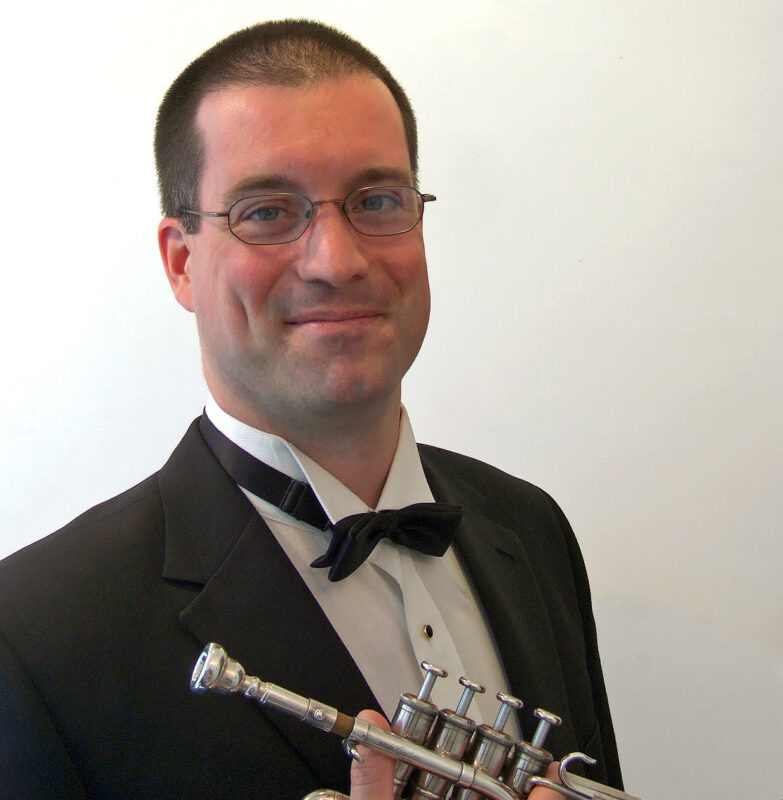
(310, 136)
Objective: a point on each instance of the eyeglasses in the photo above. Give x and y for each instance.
(282, 218)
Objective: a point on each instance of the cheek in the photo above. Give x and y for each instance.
(407, 263)
(415, 279)
(423, 316)
(408, 269)
(237, 279)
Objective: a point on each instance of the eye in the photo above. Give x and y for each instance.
(377, 200)
(269, 211)
(264, 213)
(269, 219)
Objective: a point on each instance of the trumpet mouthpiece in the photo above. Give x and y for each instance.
(214, 670)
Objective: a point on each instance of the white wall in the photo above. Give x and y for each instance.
(605, 260)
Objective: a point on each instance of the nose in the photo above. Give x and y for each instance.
(334, 251)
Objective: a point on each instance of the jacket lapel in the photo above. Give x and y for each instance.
(253, 601)
(507, 587)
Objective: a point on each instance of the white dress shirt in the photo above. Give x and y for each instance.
(384, 611)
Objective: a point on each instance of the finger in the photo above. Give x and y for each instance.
(374, 778)
(542, 792)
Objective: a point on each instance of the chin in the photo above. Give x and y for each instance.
(355, 394)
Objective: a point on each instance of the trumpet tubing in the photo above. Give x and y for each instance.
(431, 766)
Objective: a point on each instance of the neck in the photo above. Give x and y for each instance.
(356, 446)
(359, 459)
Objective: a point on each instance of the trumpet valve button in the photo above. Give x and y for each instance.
(547, 721)
(507, 702)
(433, 673)
(471, 689)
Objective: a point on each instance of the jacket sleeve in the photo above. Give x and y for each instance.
(34, 763)
(603, 739)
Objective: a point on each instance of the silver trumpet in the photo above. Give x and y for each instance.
(429, 744)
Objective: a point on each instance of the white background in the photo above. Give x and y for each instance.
(606, 270)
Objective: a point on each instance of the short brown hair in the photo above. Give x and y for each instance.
(290, 52)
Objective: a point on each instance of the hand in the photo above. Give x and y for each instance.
(541, 792)
(374, 778)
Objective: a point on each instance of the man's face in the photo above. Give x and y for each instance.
(296, 333)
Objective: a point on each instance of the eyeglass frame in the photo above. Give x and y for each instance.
(425, 198)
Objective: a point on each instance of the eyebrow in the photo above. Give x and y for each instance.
(275, 182)
(384, 174)
(259, 184)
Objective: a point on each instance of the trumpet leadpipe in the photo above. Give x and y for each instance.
(215, 671)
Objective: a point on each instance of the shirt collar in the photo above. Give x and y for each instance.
(405, 483)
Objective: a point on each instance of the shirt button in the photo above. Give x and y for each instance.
(427, 631)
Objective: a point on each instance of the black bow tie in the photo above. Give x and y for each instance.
(427, 527)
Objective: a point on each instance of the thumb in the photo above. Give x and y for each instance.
(374, 778)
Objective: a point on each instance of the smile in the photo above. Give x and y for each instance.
(337, 326)
(333, 316)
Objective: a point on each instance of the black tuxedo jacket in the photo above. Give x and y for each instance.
(102, 622)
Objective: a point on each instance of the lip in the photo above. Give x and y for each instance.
(330, 315)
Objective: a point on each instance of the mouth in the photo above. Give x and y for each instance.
(334, 317)
(337, 327)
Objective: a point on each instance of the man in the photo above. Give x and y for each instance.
(292, 231)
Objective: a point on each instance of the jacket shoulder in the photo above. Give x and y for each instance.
(501, 494)
(143, 492)
(96, 542)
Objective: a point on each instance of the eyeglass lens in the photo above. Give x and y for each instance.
(279, 218)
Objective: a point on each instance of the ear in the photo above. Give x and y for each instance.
(175, 253)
